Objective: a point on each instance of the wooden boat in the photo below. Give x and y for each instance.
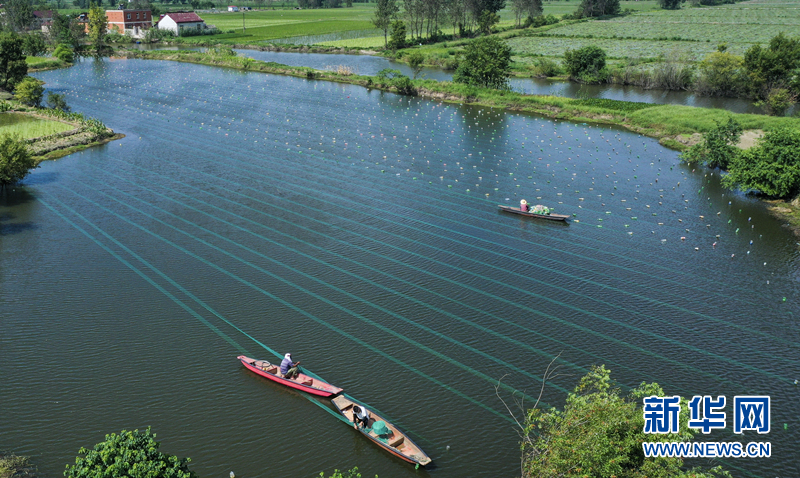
(549, 217)
(300, 382)
(395, 442)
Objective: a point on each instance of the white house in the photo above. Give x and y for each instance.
(181, 22)
(233, 8)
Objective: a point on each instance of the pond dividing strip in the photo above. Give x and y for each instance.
(724, 359)
(293, 307)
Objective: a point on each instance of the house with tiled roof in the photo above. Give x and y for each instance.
(181, 22)
(132, 22)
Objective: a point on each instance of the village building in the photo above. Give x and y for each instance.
(132, 22)
(181, 22)
(233, 8)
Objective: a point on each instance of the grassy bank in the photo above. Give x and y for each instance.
(52, 134)
(39, 63)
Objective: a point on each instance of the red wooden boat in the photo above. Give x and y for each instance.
(516, 210)
(302, 382)
(395, 441)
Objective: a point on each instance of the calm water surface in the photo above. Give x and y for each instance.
(260, 214)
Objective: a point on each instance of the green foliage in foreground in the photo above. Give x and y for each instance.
(15, 163)
(772, 167)
(344, 474)
(129, 454)
(599, 434)
(486, 63)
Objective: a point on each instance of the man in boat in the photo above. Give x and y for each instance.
(523, 206)
(360, 417)
(289, 369)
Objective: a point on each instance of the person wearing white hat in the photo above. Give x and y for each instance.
(523, 206)
(360, 416)
(289, 369)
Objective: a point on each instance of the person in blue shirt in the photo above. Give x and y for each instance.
(289, 369)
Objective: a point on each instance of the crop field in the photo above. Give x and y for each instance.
(689, 32)
(548, 46)
(266, 33)
(30, 127)
(367, 42)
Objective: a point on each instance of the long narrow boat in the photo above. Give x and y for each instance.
(549, 217)
(395, 442)
(300, 382)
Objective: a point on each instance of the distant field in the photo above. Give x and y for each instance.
(30, 127)
(648, 33)
(368, 42)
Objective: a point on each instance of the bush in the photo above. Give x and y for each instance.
(403, 84)
(15, 159)
(29, 91)
(128, 454)
(64, 53)
(398, 35)
(156, 34)
(587, 64)
(486, 62)
(33, 44)
(720, 74)
(415, 60)
(778, 100)
(57, 102)
(771, 167)
(718, 147)
(546, 67)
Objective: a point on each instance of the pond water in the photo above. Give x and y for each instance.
(359, 230)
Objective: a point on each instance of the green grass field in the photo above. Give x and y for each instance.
(654, 32)
(30, 127)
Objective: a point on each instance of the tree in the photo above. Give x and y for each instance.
(600, 434)
(98, 25)
(415, 60)
(718, 147)
(487, 20)
(527, 8)
(774, 67)
(18, 14)
(720, 74)
(64, 29)
(596, 8)
(13, 67)
(385, 13)
(486, 63)
(670, 4)
(29, 91)
(15, 159)
(57, 101)
(398, 34)
(587, 64)
(129, 454)
(33, 44)
(771, 167)
(64, 53)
